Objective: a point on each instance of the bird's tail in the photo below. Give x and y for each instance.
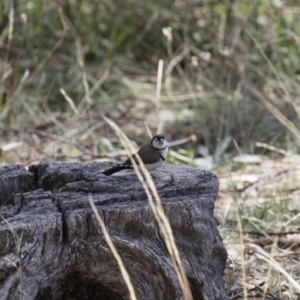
(115, 170)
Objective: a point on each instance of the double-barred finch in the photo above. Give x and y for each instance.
(153, 156)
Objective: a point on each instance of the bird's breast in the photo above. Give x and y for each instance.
(154, 166)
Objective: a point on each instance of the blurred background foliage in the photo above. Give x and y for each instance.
(231, 75)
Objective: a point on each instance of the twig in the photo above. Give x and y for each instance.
(272, 148)
(279, 233)
(258, 292)
(191, 138)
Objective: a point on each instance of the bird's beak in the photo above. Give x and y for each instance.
(161, 142)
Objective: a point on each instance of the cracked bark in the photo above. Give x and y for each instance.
(51, 246)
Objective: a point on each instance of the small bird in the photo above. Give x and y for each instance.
(153, 156)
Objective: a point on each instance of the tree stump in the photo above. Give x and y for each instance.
(52, 247)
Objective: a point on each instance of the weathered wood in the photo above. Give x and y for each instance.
(14, 179)
(52, 246)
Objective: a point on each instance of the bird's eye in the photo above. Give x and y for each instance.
(156, 140)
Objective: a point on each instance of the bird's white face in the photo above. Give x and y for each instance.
(159, 142)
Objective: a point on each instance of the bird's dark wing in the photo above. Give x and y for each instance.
(147, 150)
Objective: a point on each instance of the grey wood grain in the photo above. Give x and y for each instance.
(51, 247)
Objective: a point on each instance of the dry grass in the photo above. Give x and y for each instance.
(113, 249)
(158, 211)
(264, 196)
